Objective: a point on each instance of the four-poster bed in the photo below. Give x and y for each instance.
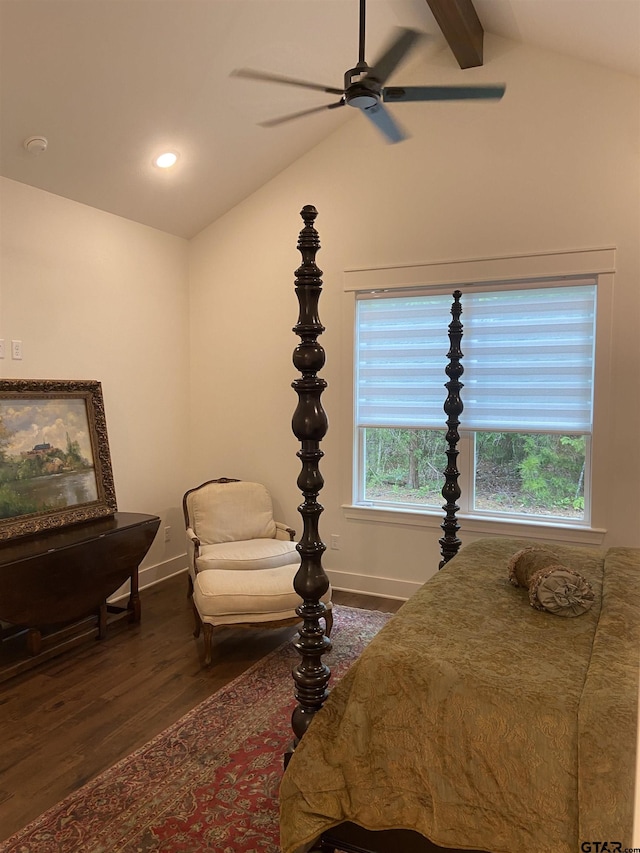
(472, 722)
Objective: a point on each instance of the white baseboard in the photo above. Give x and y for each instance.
(150, 575)
(381, 587)
(345, 581)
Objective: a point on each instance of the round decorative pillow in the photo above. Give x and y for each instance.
(552, 586)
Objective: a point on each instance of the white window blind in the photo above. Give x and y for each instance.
(401, 345)
(528, 359)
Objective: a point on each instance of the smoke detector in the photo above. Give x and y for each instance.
(36, 144)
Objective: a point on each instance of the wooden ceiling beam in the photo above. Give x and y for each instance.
(461, 28)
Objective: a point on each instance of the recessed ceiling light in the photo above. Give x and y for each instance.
(166, 160)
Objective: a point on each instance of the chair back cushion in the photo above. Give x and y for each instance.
(228, 512)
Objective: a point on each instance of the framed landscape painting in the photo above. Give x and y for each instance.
(55, 465)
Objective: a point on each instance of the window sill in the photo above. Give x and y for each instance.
(485, 525)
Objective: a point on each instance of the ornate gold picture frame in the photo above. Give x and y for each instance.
(55, 465)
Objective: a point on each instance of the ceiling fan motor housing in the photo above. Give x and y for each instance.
(360, 89)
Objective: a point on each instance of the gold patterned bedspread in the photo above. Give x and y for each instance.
(480, 722)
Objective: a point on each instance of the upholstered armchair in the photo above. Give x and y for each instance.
(241, 561)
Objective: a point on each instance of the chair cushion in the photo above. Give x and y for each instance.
(223, 596)
(223, 512)
(248, 555)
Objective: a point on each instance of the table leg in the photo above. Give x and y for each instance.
(34, 641)
(134, 599)
(102, 621)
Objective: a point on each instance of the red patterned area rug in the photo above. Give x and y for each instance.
(210, 781)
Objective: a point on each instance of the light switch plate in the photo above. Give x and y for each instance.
(1, 348)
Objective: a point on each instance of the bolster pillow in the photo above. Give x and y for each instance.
(552, 586)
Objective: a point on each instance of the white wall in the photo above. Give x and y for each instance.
(193, 342)
(95, 296)
(554, 166)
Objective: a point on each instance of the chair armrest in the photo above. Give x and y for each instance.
(284, 532)
(193, 551)
(191, 534)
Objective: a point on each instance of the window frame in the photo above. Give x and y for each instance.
(445, 276)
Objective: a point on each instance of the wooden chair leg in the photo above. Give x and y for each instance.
(208, 642)
(328, 622)
(197, 621)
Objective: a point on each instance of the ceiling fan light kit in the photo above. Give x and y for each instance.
(364, 85)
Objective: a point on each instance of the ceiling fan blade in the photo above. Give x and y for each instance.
(276, 121)
(393, 55)
(385, 122)
(266, 77)
(442, 93)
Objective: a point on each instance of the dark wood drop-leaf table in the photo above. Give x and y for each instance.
(54, 586)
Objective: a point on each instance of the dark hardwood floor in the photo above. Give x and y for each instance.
(73, 716)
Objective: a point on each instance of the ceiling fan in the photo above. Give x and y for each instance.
(364, 86)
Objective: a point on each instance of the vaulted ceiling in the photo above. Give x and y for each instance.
(111, 83)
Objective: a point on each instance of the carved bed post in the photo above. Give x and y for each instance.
(309, 425)
(449, 544)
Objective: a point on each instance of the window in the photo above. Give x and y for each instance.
(526, 429)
